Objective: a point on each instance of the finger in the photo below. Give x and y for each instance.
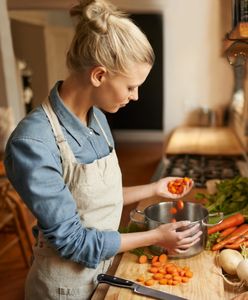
(189, 232)
(189, 187)
(185, 248)
(181, 224)
(189, 240)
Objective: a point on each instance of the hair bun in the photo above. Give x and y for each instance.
(95, 14)
(101, 32)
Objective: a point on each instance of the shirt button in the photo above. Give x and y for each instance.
(91, 132)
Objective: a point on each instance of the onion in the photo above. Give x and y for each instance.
(229, 259)
(242, 271)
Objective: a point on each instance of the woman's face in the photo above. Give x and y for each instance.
(115, 91)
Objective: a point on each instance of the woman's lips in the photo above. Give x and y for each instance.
(124, 104)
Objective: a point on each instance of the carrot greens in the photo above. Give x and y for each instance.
(231, 196)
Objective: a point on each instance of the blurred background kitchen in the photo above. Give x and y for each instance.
(198, 82)
(191, 74)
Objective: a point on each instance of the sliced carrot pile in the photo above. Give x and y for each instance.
(163, 272)
(178, 185)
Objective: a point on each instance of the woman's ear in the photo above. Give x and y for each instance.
(97, 75)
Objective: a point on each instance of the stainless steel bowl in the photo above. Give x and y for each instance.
(158, 214)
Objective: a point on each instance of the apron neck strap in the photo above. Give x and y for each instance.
(103, 132)
(65, 150)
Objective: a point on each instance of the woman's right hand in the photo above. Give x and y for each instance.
(178, 241)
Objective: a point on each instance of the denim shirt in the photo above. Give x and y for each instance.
(33, 166)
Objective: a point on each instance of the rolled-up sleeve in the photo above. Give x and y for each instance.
(37, 176)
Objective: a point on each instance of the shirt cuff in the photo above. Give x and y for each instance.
(112, 242)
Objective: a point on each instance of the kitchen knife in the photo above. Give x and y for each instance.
(137, 288)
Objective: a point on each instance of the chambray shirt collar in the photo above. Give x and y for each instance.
(72, 124)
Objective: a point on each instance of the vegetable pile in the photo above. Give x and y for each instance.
(163, 272)
(231, 196)
(231, 233)
(234, 263)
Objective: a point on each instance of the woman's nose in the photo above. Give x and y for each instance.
(134, 95)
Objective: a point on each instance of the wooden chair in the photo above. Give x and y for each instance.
(11, 221)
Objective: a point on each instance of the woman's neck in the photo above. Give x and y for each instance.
(75, 93)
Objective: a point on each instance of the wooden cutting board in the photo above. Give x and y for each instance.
(206, 283)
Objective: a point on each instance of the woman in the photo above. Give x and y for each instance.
(62, 162)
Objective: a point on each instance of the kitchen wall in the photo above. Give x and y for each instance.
(196, 73)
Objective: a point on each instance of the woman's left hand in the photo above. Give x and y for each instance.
(161, 188)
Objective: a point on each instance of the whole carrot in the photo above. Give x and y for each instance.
(238, 241)
(232, 237)
(233, 246)
(226, 232)
(231, 221)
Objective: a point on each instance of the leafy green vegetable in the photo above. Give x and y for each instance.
(132, 227)
(231, 197)
(212, 239)
(142, 251)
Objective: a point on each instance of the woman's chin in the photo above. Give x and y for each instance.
(112, 110)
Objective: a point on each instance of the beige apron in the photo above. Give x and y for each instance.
(97, 190)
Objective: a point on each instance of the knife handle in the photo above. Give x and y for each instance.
(112, 280)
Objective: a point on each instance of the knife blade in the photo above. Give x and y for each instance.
(137, 288)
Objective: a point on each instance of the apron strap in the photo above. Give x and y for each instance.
(65, 150)
(64, 147)
(103, 132)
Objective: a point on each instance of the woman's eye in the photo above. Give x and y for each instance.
(130, 89)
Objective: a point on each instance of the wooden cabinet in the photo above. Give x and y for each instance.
(43, 47)
(236, 51)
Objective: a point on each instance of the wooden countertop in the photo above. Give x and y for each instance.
(207, 285)
(204, 140)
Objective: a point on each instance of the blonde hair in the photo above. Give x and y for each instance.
(105, 36)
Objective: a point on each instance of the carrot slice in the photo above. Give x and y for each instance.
(149, 282)
(157, 276)
(180, 204)
(143, 259)
(189, 274)
(156, 264)
(173, 210)
(163, 281)
(140, 279)
(153, 270)
(163, 258)
(154, 258)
